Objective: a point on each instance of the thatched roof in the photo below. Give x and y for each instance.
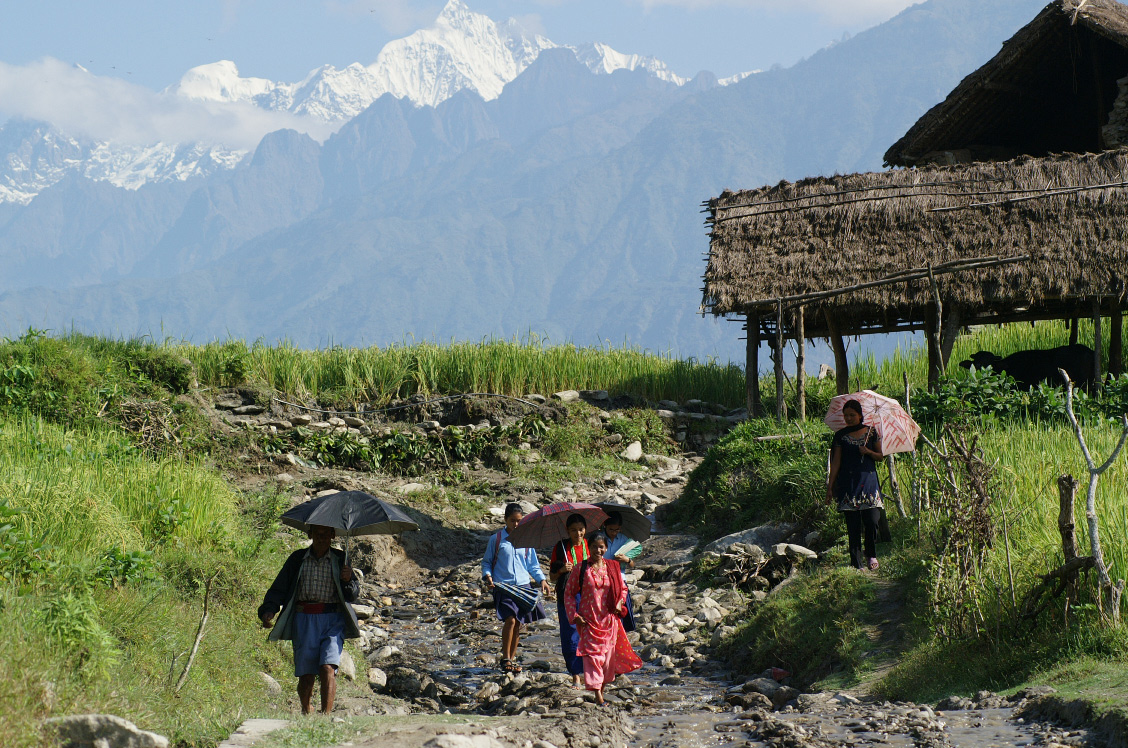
(1050, 90)
(1068, 213)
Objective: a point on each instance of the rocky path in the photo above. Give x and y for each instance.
(431, 648)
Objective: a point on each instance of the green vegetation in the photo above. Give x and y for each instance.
(378, 375)
(962, 615)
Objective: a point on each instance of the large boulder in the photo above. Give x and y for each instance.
(103, 731)
(764, 536)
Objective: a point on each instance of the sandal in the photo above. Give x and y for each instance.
(505, 665)
(873, 564)
(515, 667)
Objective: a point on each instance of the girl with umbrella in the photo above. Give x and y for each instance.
(512, 566)
(594, 598)
(853, 481)
(616, 539)
(566, 556)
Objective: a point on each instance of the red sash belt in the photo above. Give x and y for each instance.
(317, 607)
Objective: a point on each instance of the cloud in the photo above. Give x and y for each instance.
(81, 104)
(835, 11)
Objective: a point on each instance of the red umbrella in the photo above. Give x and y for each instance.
(897, 430)
(546, 526)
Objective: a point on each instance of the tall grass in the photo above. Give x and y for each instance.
(507, 367)
(86, 490)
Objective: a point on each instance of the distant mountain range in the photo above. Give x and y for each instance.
(499, 186)
(461, 51)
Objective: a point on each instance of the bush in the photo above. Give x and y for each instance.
(743, 482)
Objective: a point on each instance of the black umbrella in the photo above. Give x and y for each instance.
(351, 513)
(636, 525)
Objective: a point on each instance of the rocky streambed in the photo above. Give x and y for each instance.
(431, 648)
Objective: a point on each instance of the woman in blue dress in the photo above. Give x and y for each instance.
(853, 482)
(516, 566)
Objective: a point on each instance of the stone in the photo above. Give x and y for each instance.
(456, 740)
(633, 452)
(751, 700)
(382, 653)
(248, 410)
(791, 550)
(377, 679)
(272, 685)
(666, 415)
(347, 666)
(284, 478)
(98, 730)
(614, 439)
(535, 398)
(661, 463)
(597, 395)
(280, 425)
(764, 536)
(353, 421)
(408, 488)
(302, 420)
(430, 425)
(566, 396)
(363, 612)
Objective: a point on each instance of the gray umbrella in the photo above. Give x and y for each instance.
(636, 525)
(351, 513)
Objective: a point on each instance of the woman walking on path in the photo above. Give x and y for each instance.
(613, 527)
(566, 556)
(509, 565)
(853, 481)
(603, 643)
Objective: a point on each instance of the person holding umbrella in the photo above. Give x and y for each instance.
(507, 565)
(313, 591)
(566, 556)
(616, 539)
(853, 481)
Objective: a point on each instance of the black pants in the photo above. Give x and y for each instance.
(861, 525)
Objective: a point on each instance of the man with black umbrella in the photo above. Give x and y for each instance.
(313, 590)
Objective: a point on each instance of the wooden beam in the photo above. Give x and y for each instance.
(932, 332)
(1073, 331)
(800, 363)
(949, 331)
(841, 363)
(752, 367)
(781, 403)
(1097, 342)
(1116, 343)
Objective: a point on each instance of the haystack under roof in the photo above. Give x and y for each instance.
(1066, 215)
(1051, 89)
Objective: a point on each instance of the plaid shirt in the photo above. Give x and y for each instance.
(316, 584)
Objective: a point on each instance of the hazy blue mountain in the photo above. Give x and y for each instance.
(569, 205)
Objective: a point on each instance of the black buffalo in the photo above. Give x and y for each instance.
(1030, 368)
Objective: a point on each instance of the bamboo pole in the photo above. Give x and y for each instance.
(800, 364)
(781, 404)
(1116, 342)
(752, 367)
(1098, 377)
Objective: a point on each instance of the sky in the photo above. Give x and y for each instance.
(152, 44)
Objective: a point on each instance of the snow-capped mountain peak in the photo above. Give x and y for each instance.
(219, 81)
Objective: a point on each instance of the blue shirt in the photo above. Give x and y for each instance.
(510, 565)
(613, 547)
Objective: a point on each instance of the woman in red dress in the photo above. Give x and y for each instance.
(603, 643)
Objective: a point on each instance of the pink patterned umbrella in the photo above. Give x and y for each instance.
(546, 525)
(897, 430)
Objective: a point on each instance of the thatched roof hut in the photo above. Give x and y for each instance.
(991, 225)
(1051, 89)
(797, 242)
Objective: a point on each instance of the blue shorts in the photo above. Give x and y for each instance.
(318, 640)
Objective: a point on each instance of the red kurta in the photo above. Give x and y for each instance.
(603, 643)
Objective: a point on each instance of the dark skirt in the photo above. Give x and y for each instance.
(569, 639)
(861, 490)
(507, 608)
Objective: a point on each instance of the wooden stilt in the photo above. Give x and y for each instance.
(841, 364)
(781, 403)
(934, 353)
(752, 367)
(950, 330)
(1097, 343)
(800, 363)
(1116, 342)
(1073, 331)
